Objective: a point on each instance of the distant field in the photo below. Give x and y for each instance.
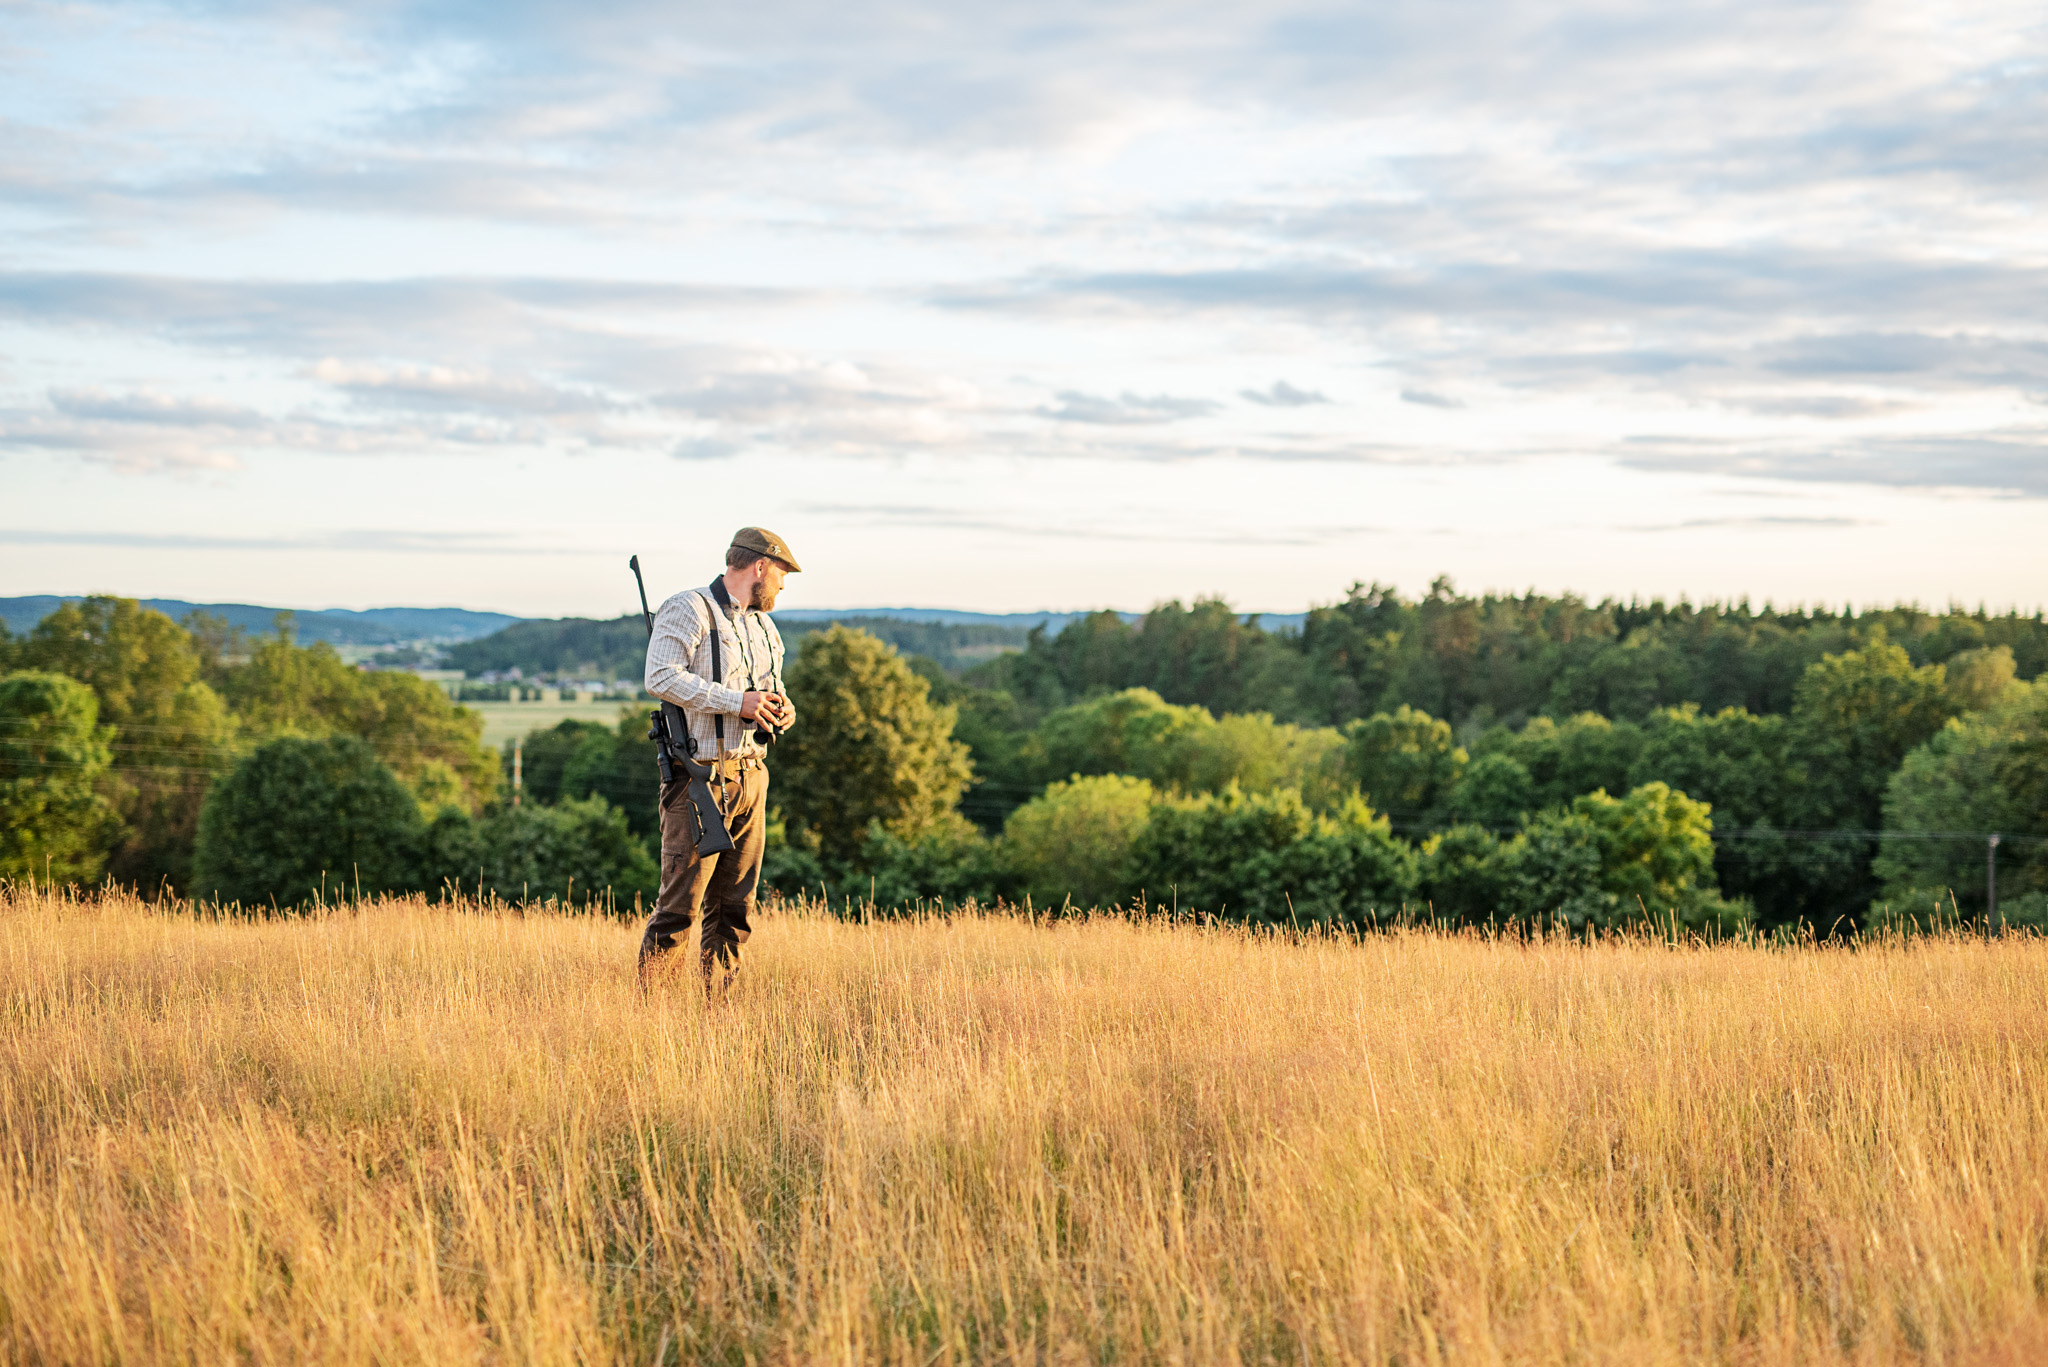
(504, 720)
(404, 1133)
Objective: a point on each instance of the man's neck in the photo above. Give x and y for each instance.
(740, 591)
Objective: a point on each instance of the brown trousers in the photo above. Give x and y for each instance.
(718, 888)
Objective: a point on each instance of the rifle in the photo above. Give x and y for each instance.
(674, 750)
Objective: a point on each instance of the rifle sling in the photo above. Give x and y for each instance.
(721, 600)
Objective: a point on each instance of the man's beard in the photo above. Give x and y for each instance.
(763, 598)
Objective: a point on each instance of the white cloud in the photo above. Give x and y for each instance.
(1126, 409)
(1283, 395)
(1795, 242)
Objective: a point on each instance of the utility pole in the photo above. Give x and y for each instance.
(1991, 918)
(518, 753)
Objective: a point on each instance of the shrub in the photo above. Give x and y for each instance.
(1074, 840)
(301, 816)
(578, 851)
(951, 863)
(791, 869)
(1601, 863)
(1471, 876)
(1266, 858)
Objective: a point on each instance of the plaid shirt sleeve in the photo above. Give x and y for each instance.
(679, 661)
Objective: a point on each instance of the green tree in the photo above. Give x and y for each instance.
(1132, 732)
(1733, 760)
(1073, 841)
(286, 690)
(54, 820)
(1600, 863)
(1582, 754)
(1404, 762)
(1258, 754)
(1185, 749)
(1656, 849)
(1984, 772)
(1495, 790)
(1266, 858)
(1855, 717)
(996, 729)
(619, 766)
(545, 753)
(172, 733)
(1206, 655)
(950, 863)
(1472, 876)
(1740, 764)
(1979, 678)
(301, 816)
(869, 746)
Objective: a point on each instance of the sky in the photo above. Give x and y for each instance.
(1022, 306)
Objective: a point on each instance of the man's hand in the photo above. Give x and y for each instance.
(772, 708)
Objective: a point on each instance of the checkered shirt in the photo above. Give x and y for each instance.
(679, 667)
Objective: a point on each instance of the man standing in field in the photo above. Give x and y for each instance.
(732, 699)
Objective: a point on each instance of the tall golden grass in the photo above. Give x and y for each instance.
(404, 1133)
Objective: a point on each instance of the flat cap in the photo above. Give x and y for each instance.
(765, 542)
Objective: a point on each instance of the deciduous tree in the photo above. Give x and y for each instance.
(1073, 841)
(287, 690)
(300, 818)
(1984, 772)
(1404, 762)
(869, 747)
(1266, 858)
(55, 821)
(172, 733)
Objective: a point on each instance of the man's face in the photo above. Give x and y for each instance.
(769, 585)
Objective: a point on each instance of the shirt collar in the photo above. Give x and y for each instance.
(718, 591)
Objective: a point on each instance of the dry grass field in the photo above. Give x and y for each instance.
(410, 1134)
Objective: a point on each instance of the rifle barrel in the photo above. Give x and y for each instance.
(645, 614)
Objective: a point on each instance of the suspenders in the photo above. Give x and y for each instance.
(714, 600)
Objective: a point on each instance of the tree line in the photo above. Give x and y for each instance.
(191, 759)
(1480, 661)
(1188, 759)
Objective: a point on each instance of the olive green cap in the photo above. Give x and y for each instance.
(765, 542)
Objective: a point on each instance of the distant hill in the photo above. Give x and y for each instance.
(617, 649)
(486, 642)
(1051, 621)
(337, 626)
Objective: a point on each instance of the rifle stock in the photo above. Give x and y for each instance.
(673, 751)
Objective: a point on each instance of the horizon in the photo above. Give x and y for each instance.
(1847, 607)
